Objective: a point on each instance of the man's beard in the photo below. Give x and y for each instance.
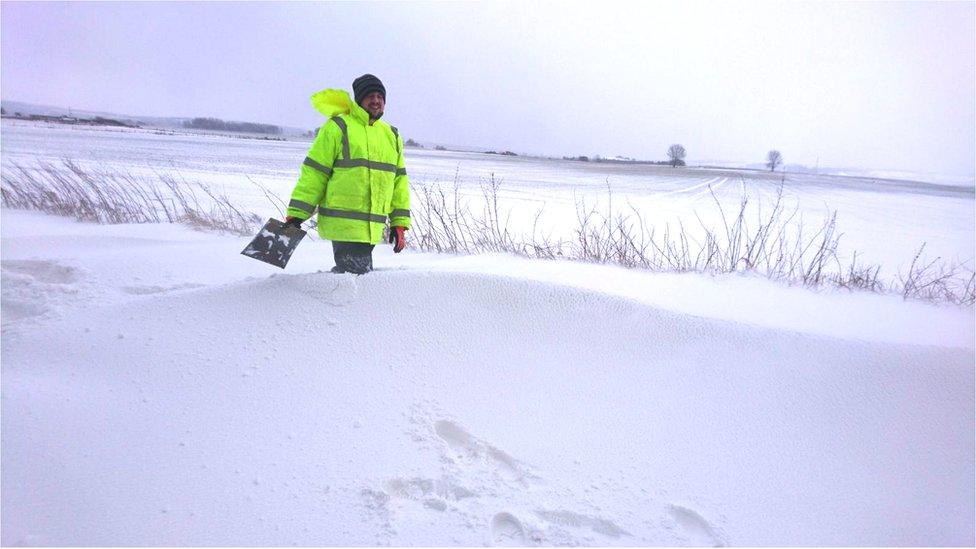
(376, 116)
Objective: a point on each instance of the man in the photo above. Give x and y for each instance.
(354, 176)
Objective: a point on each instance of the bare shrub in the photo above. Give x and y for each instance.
(445, 223)
(775, 244)
(938, 281)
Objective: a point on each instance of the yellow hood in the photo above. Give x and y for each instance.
(332, 102)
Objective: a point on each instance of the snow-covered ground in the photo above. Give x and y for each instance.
(159, 388)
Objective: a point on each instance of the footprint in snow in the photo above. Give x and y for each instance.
(49, 272)
(698, 530)
(427, 490)
(470, 447)
(576, 520)
(507, 531)
(31, 288)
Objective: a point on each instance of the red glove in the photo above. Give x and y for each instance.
(293, 221)
(398, 239)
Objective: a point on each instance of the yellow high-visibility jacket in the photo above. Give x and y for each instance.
(354, 174)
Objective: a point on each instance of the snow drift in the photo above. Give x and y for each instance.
(161, 389)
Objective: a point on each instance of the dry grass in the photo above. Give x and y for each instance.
(774, 243)
(70, 190)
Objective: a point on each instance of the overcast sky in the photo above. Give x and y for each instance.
(862, 84)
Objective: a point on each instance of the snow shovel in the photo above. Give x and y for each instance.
(275, 243)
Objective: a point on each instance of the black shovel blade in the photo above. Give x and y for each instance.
(275, 243)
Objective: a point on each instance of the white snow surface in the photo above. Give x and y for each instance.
(159, 388)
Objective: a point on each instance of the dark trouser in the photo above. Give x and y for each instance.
(352, 257)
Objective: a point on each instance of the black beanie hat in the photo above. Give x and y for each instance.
(365, 85)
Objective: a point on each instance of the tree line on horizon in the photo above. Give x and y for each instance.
(221, 125)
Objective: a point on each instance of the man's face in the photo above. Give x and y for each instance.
(373, 104)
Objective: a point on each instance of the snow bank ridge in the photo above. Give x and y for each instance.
(463, 401)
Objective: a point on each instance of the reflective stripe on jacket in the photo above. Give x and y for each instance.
(353, 176)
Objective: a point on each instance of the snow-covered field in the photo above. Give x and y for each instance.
(159, 388)
(884, 221)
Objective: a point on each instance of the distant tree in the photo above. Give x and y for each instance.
(3, 111)
(411, 143)
(676, 154)
(773, 159)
